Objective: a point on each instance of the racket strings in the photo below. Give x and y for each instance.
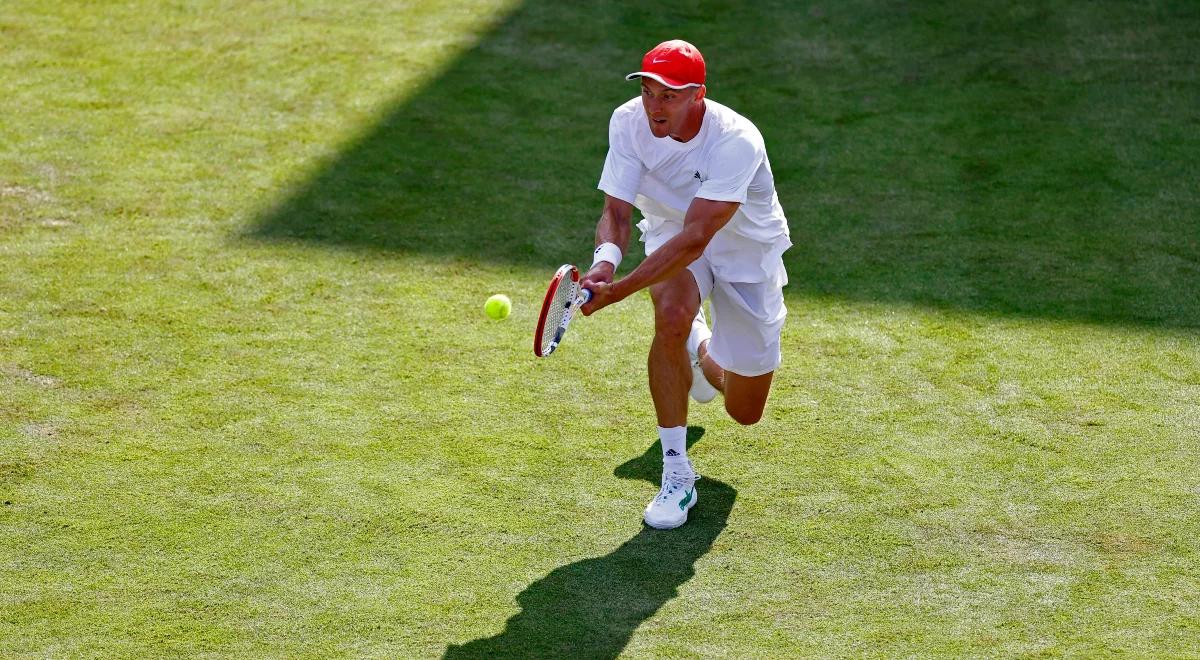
(564, 295)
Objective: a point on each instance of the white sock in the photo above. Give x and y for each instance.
(699, 334)
(674, 445)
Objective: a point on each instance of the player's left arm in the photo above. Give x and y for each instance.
(704, 218)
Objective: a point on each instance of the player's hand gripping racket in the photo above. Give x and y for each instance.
(562, 299)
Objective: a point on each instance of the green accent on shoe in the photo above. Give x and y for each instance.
(684, 502)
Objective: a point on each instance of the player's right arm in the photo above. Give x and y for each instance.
(613, 227)
(620, 181)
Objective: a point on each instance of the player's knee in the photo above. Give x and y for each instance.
(744, 416)
(673, 320)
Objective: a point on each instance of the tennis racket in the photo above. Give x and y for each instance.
(562, 299)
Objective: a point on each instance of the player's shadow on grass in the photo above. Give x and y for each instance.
(589, 609)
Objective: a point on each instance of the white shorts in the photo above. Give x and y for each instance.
(747, 317)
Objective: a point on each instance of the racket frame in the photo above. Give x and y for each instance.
(578, 298)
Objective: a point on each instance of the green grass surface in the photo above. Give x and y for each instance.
(250, 405)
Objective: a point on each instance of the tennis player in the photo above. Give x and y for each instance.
(698, 173)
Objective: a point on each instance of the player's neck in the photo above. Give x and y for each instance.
(695, 121)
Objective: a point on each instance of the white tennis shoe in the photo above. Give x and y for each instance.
(669, 509)
(702, 390)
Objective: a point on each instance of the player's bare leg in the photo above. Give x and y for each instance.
(749, 393)
(746, 396)
(675, 304)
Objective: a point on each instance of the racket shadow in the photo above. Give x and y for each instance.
(591, 608)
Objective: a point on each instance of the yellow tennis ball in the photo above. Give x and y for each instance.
(498, 306)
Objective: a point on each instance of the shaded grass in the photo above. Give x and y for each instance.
(983, 440)
(1011, 159)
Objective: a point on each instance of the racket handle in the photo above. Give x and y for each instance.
(586, 295)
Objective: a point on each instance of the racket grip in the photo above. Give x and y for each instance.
(585, 295)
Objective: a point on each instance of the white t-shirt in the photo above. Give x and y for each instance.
(726, 162)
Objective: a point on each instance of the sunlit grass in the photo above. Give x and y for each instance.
(250, 405)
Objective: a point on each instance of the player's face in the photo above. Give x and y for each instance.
(667, 109)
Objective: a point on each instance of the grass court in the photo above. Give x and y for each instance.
(250, 404)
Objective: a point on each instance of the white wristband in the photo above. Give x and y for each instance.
(608, 252)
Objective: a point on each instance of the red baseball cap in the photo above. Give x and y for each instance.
(675, 63)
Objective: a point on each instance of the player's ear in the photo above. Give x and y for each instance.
(700, 93)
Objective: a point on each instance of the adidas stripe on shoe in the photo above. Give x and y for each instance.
(669, 508)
